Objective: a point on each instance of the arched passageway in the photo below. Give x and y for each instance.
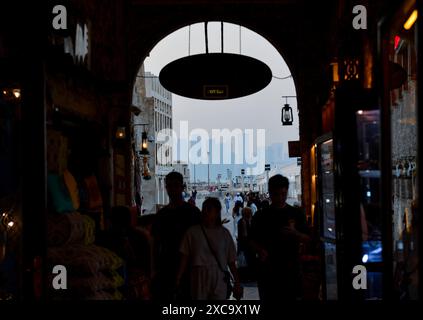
(67, 98)
(260, 111)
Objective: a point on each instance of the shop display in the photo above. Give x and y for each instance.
(400, 49)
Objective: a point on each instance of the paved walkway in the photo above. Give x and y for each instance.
(250, 291)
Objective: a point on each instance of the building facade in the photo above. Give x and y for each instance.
(155, 116)
(290, 170)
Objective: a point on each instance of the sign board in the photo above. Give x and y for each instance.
(215, 76)
(267, 167)
(294, 149)
(216, 92)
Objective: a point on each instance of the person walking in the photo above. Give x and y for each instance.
(208, 250)
(251, 204)
(246, 256)
(227, 202)
(194, 194)
(276, 234)
(238, 198)
(236, 215)
(168, 229)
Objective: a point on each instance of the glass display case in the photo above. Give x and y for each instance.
(327, 189)
(326, 208)
(368, 167)
(349, 196)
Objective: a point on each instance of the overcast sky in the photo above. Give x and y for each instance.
(258, 111)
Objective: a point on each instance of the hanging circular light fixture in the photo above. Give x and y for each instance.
(215, 76)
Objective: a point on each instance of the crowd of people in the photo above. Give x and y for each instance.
(192, 256)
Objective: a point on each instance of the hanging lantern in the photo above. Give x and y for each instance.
(144, 144)
(16, 93)
(215, 76)
(11, 94)
(120, 133)
(287, 115)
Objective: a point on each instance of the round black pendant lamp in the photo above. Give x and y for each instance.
(215, 76)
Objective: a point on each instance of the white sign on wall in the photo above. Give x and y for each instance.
(79, 49)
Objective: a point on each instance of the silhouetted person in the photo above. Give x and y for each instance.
(239, 198)
(170, 225)
(236, 215)
(276, 233)
(207, 250)
(227, 202)
(252, 205)
(264, 204)
(191, 201)
(244, 248)
(194, 194)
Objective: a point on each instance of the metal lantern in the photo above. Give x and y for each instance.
(144, 144)
(10, 94)
(287, 115)
(144, 152)
(120, 133)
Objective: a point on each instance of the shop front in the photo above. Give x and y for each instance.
(365, 174)
(346, 183)
(10, 189)
(401, 161)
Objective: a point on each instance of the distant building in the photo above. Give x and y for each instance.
(155, 105)
(275, 153)
(182, 168)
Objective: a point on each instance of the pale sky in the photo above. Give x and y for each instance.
(258, 111)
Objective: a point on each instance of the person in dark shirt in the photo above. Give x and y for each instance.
(246, 255)
(194, 194)
(168, 229)
(276, 234)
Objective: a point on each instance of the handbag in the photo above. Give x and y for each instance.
(227, 275)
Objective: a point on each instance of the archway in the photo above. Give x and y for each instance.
(187, 117)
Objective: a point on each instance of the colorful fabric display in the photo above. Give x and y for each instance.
(59, 194)
(73, 190)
